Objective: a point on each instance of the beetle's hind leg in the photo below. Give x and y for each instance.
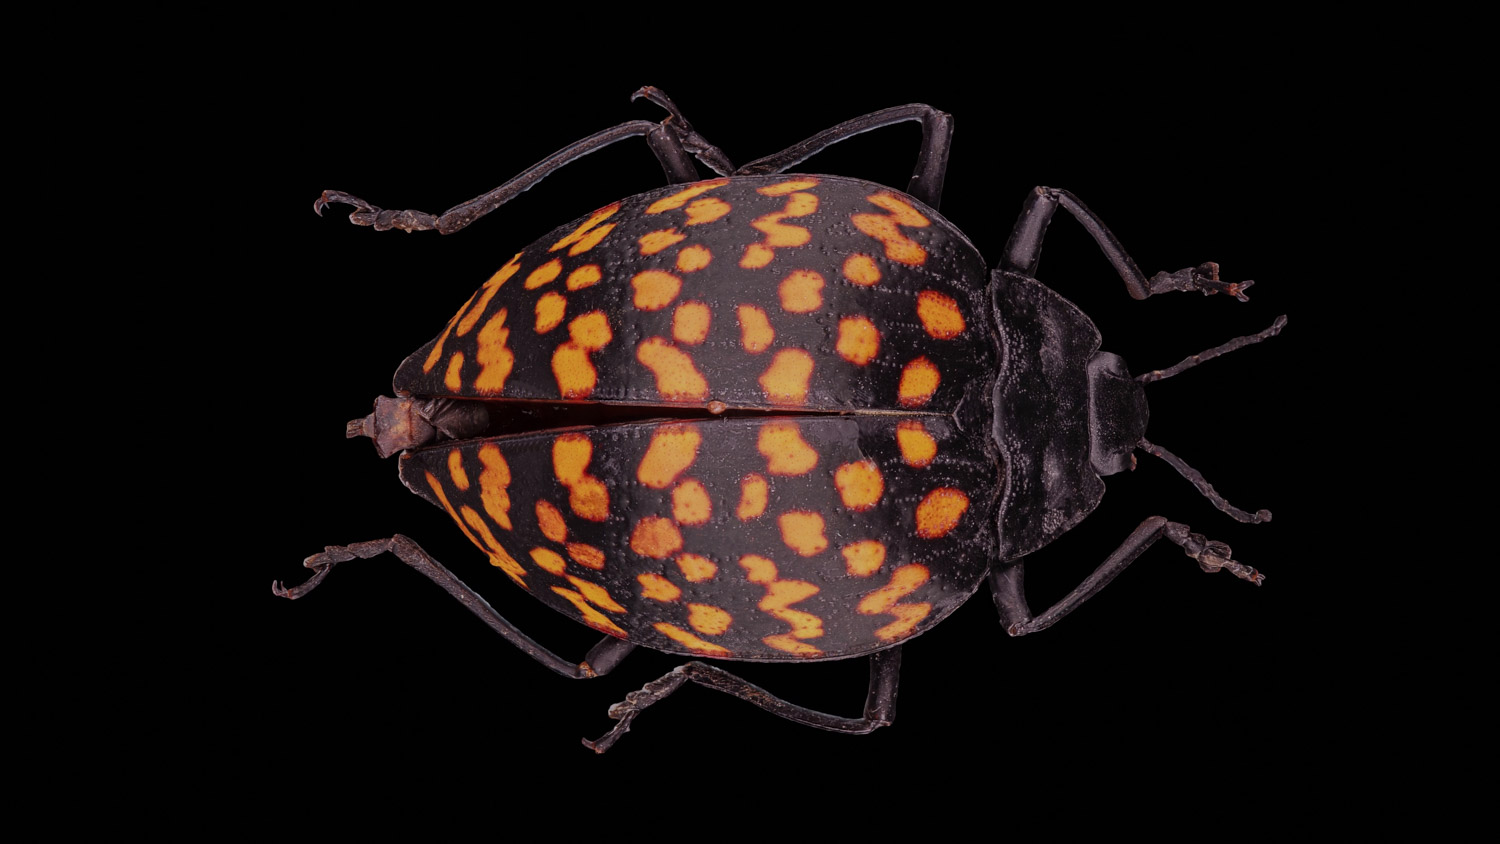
(1007, 583)
(880, 703)
(601, 659)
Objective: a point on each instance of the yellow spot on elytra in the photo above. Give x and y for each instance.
(487, 293)
(592, 617)
(655, 537)
(754, 492)
(696, 568)
(885, 228)
(590, 240)
(456, 470)
(694, 258)
(785, 451)
(860, 484)
(862, 270)
(469, 523)
(586, 555)
(756, 333)
(596, 594)
(940, 315)
(803, 532)
(690, 323)
(863, 558)
(494, 480)
(587, 275)
(571, 366)
(917, 446)
(784, 188)
(587, 495)
(586, 226)
(655, 289)
(550, 520)
(677, 200)
(779, 235)
(940, 511)
(690, 503)
(658, 588)
(904, 581)
(689, 641)
(437, 348)
(801, 292)
(919, 380)
(494, 357)
(708, 619)
(859, 340)
(654, 242)
(677, 379)
(673, 448)
(453, 378)
(549, 560)
(786, 380)
(706, 210)
(549, 311)
(544, 274)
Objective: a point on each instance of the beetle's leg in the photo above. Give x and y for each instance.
(880, 703)
(932, 158)
(601, 659)
(671, 140)
(1007, 583)
(1024, 249)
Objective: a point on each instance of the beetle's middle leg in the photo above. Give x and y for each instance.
(1007, 584)
(1024, 249)
(880, 703)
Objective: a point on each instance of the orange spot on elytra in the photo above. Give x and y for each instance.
(885, 228)
(689, 641)
(706, 210)
(779, 235)
(658, 588)
(549, 560)
(784, 188)
(592, 617)
(708, 619)
(801, 292)
(586, 226)
(786, 380)
(779, 597)
(758, 569)
(550, 520)
(587, 495)
(544, 274)
(494, 357)
(694, 258)
(470, 523)
(756, 333)
(788, 643)
(549, 311)
(453, 378)
(487, 292)
(919, 380)
(677, 200)
(904, 581)
(586, 555)
(940, 315)
(940, 511)
(571, 366)
(655, 289)
(859, 340)
(691, 504)
(587, 275)
(862, 270)
(676, 377)
(437, 348)
(654, 242)
(785, 451)
(696, 568)
(673, 449)
(802, 532)
(917, 446)
(456, 470)
(590, 240)
(863, 558)
(494, 481)
(860, 484)
(591, 331)
(754, 492)
(655, 537)
(596, 594)
(690, 323)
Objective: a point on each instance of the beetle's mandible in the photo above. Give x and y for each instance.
(818, 422)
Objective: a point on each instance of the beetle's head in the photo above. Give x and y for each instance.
(1117, 414)
(399, 424)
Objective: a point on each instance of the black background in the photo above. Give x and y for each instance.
(1169, 682)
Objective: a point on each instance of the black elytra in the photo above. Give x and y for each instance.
(818, 422)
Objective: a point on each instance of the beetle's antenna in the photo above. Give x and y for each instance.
(1196, 478)
(1193, 360)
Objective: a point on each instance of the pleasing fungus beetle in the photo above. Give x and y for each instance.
(822, 421)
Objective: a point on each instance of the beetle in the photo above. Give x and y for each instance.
(828, 421)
